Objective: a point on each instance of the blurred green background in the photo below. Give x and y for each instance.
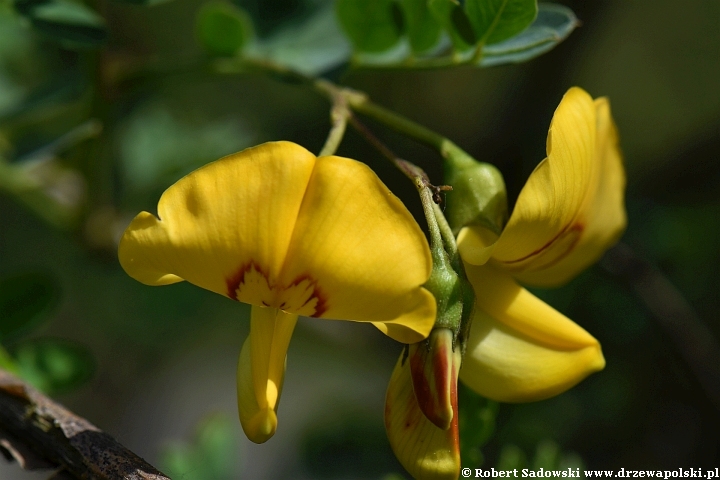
(163, 374)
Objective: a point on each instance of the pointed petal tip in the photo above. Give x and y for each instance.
(261, 427)
(598, 362)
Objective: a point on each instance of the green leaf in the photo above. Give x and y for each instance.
(223, 29)
(72, 24)
(25, 301)
(372, 26)
(553, 25)
(422, 29)
(212, 453)
(54, 365)
(452, 17)
(312, 47)
(498, 20)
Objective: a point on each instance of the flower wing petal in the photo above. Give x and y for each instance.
(364, 251)
(521, 349)
(225, 216)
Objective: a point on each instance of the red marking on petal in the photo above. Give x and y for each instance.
(576, 227)
(421, 386)
(233, 282)
(321, 306)
(454, 431)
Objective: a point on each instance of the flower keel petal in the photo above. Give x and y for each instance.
(521, 349)
(260, 383)
(425, 450)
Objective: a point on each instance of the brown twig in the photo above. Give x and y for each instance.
(40, 433)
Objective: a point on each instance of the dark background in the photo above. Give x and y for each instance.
(166, 356)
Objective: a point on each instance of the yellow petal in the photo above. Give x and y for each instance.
(274, 226)
(602, 217)
(426, 451)
(259, 424)
(571, 208)
(261, 370)
(555, 191)
(233, 214)
(521, 349)
(476, 244)
(363, 251)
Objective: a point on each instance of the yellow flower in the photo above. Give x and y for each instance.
(569, 212)
(290, 234)
(521, 349)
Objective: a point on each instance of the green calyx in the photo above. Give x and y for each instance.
(478, 195)
(445, 284)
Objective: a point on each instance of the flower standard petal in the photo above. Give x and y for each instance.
(362, 251)
(555, 191)
(521, 349)
(572, 207)
(602, 216)
(238, 212)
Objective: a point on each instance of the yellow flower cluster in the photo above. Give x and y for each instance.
(292, 234)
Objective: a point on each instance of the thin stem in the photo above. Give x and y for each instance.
(339, 116)
(398, 122)
(446, 232)
(417, 175)
(356, 101)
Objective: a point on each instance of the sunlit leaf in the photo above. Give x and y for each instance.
(72, 24)
(313, 46)
(54, 365)
(25, 301)
(498, 20)
(371, 26)
(553, 25)
(222, 28)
